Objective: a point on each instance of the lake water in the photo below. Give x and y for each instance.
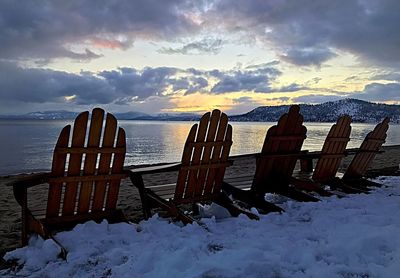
(28, 145)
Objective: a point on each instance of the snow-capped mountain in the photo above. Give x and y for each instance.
(358, 110)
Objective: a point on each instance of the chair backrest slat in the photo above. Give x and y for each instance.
(204, 158)
(104, 162)
(271, 168)
(368, 150)
(333, 150)
(117, 167)
(58, 169)
(96, 126)
(223, 157)
(223, 141)
(74, 163)
(88, 183)
(183, 174)
(197, 151)
(207, 151)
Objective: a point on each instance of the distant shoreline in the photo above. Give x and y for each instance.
(360, 111)
(191, 120)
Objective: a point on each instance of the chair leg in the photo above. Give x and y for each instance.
(337, 183)
(168, 206)
(63, 252)
(20, 194)
(223, 200)
(361, 183)
(251, 199)
(137, 180)
(309, 185)
(297, 195)
(264, 206)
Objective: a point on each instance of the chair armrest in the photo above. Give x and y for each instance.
(282, 154)
(358, 150)
(310, 155)
(30, 180)
(156, 169)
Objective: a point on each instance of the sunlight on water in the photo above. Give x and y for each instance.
(28, 145)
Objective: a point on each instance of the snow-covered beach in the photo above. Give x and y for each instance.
(355, 236)
(307, 239)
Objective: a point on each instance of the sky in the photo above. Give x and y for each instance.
(193, 56)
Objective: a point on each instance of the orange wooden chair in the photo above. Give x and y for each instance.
(84, 180)
(201, 172)
(354, 175)
(329, 160)
(275, 164)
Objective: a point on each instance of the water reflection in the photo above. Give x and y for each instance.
(248, 137)
(148, 142)
(28, 145)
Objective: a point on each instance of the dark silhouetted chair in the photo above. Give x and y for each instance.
(84, 181)
(201, 172)
(354, 175)
(275, 165)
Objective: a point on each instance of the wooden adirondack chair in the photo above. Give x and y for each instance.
(201, 171)
(365, 155)
(276, 163)
(330, 157)
(78, 191)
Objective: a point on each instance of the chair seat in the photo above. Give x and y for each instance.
(67, 222)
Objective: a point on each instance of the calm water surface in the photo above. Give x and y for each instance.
(28, 145)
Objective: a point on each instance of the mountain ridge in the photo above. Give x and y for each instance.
(360, 111)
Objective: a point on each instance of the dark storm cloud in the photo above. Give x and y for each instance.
(379, 92)
(294, 87)
(391, 76)
(139, 84)
(375, 92)
(305, 31)
(255, 78)
(316, 98)
(242, 100)
(40, 85)
(36, 85)
(196, 84)
(119, 86)
(307, 57)
(205, 46)
(43, 29)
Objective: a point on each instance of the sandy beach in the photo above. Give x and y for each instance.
(386, 163)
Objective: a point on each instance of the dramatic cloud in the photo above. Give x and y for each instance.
(315, 98)
(380, 92)
(292, 88)
(40, 86)
(205, 46)
(392, 76)
(46, 29)
(139, 85)
(305, 31)
(253, 78)
(375, 92)
(307, 56)
(125, 85)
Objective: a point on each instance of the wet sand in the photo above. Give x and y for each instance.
(386, 163)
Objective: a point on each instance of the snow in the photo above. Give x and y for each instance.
(355, 236)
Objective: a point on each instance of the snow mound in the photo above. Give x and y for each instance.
(355, 236)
